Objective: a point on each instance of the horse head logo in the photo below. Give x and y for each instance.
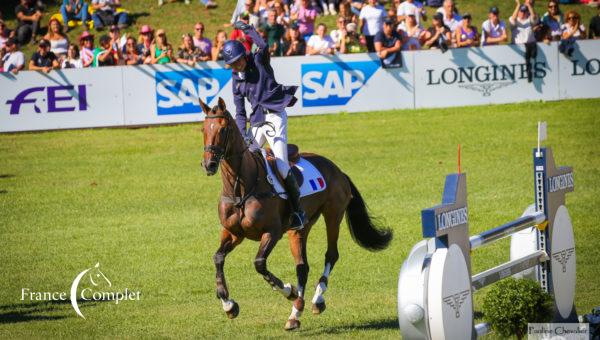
(96, 278)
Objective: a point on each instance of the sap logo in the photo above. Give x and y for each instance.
(56, 98)
(177, 92)
(336, 83)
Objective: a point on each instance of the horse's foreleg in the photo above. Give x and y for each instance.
(333, 218)
(267, 243)
(298, 249)
(228, 243)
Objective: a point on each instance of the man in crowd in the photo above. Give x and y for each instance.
(411, 6)
(43, 59)
(451, 17)
(493, 30)
(202, 42)
(28, 16)
(274, 33)
(13, 60)
(74, 10)
(388, 44)
(105, 55)
(595, 26)
(522, 22)
(105, 14)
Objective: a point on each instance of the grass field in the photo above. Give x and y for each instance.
(178, 18)
(137, 202)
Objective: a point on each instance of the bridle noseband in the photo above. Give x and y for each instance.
(218, 151)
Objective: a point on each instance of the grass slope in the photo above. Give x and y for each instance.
(137, 201)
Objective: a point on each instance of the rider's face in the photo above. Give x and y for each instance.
(239, 65)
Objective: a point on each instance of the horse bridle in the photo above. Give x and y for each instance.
(218, 151)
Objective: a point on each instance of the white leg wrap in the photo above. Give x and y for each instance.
(227, 304)
(295, 315)
(286, 290)
(318, 297)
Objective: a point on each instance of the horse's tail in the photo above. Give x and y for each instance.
(363, 228)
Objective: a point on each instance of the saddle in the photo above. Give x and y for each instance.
(293, 158)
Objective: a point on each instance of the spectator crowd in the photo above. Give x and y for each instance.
(288, 27)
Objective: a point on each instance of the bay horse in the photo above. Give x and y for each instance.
(248, 208)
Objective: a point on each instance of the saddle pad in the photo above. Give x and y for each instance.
(313, 180)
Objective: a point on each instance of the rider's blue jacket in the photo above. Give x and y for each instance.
(258, 85)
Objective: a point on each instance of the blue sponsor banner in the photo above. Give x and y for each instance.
(177, 92)
(333, 84)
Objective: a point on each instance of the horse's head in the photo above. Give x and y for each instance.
(218, 131)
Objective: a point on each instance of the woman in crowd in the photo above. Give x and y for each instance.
(572, 28)
(553, 19)
(86, 41)
(72, 60)
(371, 21)
(282, 17)
(293, 43)
(145, 41)
(217, 48)
(59, 44)
(305, 16)
(161, 51)
(320, 43)
(413, 34)
(466, 34)
(346, 12)
(131, 55)
(438, 35)
(338, 33)
(188, 53)
(351, 41)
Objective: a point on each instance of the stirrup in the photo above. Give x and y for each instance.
(298, 218)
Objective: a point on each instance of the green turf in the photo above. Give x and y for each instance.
(137, 201)
(177, 18)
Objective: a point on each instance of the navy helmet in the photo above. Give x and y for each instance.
(232, 51)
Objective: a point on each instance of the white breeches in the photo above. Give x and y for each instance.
(276, 136)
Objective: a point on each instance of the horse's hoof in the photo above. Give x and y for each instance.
(234, 311)
(292, 324)
(318, 308)
(293, 294)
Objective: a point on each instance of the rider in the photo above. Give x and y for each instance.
(253, 79)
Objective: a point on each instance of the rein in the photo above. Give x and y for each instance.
(220, 154)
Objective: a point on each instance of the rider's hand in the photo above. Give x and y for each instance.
(240, 25)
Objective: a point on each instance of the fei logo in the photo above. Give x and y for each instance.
(329, 84)
(69, 97)
(177, 92)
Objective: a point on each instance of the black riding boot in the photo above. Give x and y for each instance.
(297, 219)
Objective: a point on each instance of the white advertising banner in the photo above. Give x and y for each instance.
(351, 83)
(160, 94)
(580, 74)
(61, 99)
(489, 75)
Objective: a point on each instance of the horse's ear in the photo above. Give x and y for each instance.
(222, 104)
(204, 107)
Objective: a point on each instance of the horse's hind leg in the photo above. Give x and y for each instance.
(228, 243)
(333, 216)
